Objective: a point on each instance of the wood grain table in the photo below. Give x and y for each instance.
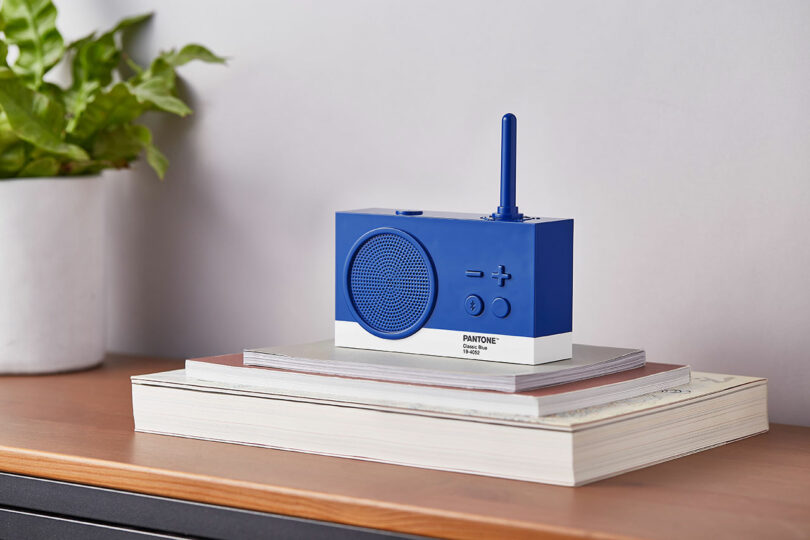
(75, 430)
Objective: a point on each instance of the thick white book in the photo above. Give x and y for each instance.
(229, 372)
(570, 449)
(324, 358)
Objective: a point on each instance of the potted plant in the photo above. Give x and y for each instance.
(54, 142)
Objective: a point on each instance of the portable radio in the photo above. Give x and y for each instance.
(492, 287)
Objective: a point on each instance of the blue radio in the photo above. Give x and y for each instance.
(495, 287)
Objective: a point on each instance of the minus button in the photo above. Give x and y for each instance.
(474, 273)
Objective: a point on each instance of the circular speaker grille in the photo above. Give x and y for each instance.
(390, 283)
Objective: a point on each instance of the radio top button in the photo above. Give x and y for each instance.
(409, 212)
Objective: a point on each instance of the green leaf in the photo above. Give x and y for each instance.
(12, 149)
(118, 145)
(95, 59)
(159, 69)
(53, 92)
(155, 88)
(76, 100)
(31, 26)
(116, 106)
(155, 92)
(129, 22)
(12, 158)
(136, 69)
(157, 161)
(46, 166)
(154, 157)
(3, 54)
(191, 52)
(74, 168)
(35, 118)
(79, 42)
(7, 135)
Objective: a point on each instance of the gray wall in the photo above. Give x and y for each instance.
(677, 134)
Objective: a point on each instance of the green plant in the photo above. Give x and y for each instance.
(48, 130)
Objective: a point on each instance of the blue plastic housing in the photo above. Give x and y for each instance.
(528, 263)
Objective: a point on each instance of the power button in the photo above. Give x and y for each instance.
(409, 212)
(500, 307)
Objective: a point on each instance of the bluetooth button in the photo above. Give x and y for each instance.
(474, 305)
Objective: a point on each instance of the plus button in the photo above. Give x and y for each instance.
(501, 275)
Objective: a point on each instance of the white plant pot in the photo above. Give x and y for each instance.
(51, 274)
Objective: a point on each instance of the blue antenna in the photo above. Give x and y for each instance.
(508, 210)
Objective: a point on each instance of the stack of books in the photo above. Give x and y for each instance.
(602, 412)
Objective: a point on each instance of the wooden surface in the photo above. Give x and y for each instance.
(78, 427)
